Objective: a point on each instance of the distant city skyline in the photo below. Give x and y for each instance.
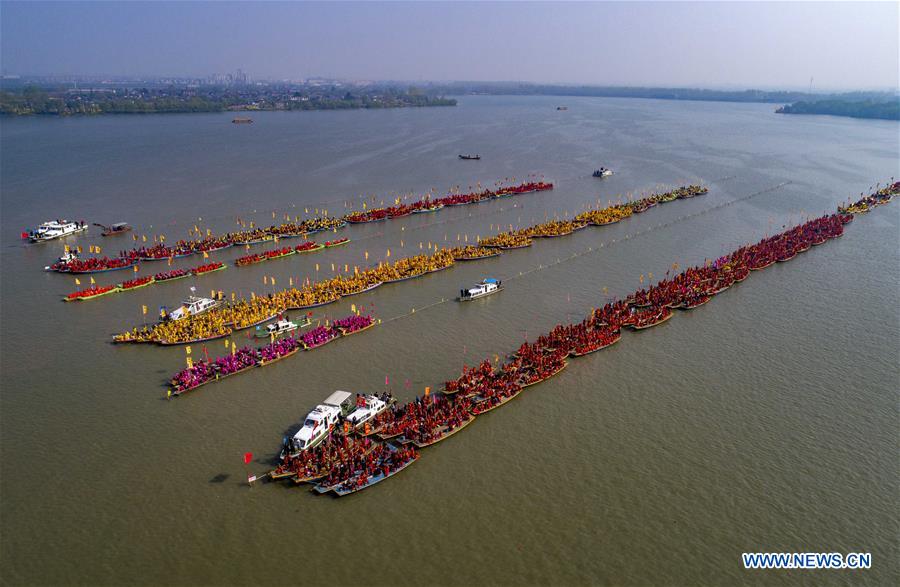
(714, 45)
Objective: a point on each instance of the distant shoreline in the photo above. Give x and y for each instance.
(888, 110)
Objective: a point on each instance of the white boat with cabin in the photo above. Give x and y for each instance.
(192, 306)
(319, 422)
(367, 408)
(55, 229)
(485, 288)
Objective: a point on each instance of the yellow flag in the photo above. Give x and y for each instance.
(317, 266)
(144, 310)
(388, 253)
(367, 255)
(291, 281)
(135, 268)
(78, 249)
(66, 248)
(205, 255)
(265, 280)
(187, 349)
(77, 281)
(233, 348)
(144, 237)
(427, 391)
(232, 296)
(273, 280)
(332, 266)
(353, 308)
(190, 362)
(92, 280)
(346, 267)
(91, 249)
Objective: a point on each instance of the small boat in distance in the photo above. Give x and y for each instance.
(485, 288)
(562, 107)
(114, 229)
(191, 307)
(319, 422)
(470, 157)
(54, 229)
(241, 121)
(602, 172)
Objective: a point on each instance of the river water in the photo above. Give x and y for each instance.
(765, 421)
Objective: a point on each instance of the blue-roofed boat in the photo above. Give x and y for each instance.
(487, 287)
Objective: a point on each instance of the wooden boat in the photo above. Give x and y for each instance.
(496, 254)
(444, 435)
(438, 269)
(114, 229)
(364, 328)
(340, 492)
(217, 248)
(574, 353)
(122, 286)
(404, 278)
(761, 267)
(257, 323)
(310, 250)
(164, 279)
(90, 297)
(370, 288)
(696, 304)
(427, 210)
(510, 248)
(563, 366)
(470, 157)
(320, 345)
(290, 353)
(652, 324)
(316, 305)
(89, 271)
(194, 341)
(198, 273)
(477, 410)
(337, 243)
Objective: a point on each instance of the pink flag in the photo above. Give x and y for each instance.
(386, 380)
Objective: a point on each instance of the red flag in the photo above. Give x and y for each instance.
(248, 456)
(24, 235)
(386, 380)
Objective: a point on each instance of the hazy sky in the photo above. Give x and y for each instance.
(840, 45)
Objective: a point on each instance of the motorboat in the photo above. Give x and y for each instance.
(192, 306)
(485, 288)
(55, 229)
(367, 408)
(602, 172)
(318, 423)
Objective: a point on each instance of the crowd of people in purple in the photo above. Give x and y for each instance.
(204, 371)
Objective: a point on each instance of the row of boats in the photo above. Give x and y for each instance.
(427, 205)
(240, 360)
(95, 291)
(161, 251)
(524, 237)
(71, 263)
(248, 313)
(342, 458)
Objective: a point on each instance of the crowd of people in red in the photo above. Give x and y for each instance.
(427, 420)
(427, 204)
